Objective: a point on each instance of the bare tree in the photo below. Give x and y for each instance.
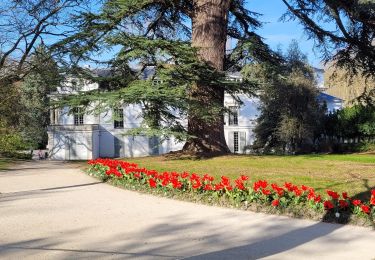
(25, 24)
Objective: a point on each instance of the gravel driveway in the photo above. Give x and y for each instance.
(51, 210)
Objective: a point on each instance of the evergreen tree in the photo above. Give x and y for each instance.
(42, 80)
(185, 42)
(290, 112)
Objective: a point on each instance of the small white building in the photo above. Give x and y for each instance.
(77, 136)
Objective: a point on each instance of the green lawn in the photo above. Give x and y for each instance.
(354, 173)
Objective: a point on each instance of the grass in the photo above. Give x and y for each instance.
(4, 162)
(354, 173)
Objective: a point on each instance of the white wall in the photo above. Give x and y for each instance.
(247, 115)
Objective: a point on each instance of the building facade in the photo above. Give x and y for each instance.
(74, 135)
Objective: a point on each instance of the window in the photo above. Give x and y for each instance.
(233, 115)
(118, 115)
(78, 116)
(54, 116)
(235, 142)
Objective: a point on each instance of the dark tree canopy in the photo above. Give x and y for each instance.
(290, 113)
(351, 41)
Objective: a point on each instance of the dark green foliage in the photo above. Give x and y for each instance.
(350, 43)
(290, 112)
(357, 121)
(42, 80)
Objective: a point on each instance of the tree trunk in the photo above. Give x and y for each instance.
(209, 33)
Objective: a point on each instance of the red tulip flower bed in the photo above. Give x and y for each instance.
(240, 192)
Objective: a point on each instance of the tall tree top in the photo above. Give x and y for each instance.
(351, 41)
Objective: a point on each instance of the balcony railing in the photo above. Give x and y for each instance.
(84, 127)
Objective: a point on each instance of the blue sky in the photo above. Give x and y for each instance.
(273, 31)
(276, 32)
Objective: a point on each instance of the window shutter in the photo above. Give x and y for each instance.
(242, 142)
(231, 141)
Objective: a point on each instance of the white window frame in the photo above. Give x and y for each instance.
(78, 116)
(118, 118)
(233, 115)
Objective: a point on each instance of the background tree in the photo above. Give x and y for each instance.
(24, 25)
(290, 112)
(185, 43)
(41, 81)
(350, 88)
(351, 42)
(356, 122)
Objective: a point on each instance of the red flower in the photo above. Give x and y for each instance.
(184, 175)
(266, 192)
(333, 195)
(311, 195)
(357, 202)
(208, 187)
(263, 184)
(328, 205)
(225, 181)
(260, 184)
(373, 193)
(275, 203)
(345, 195)
(239, 184)
(219, 187)
(113, 171)
(165, 182)
(297, 192)
(372, 200)
(305, 188)
(343, 204)
(277, 189)
(194, 176)
(318, 199)
(152, 183)
(207, 177)
(229, 187)
(289, 186)
(365, 209)
(176, 184)
(196, 184)
(245, 178)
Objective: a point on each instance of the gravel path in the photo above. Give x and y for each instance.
(50, 210)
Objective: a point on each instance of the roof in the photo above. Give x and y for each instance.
(326, 97)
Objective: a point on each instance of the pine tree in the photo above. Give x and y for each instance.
(185, 42)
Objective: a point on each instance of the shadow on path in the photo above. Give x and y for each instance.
(272, 246)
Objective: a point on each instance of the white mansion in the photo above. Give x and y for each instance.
(74, 136)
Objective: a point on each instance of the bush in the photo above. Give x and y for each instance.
(10, 142)
(12, 145)
(368, 146)
(17, 155)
